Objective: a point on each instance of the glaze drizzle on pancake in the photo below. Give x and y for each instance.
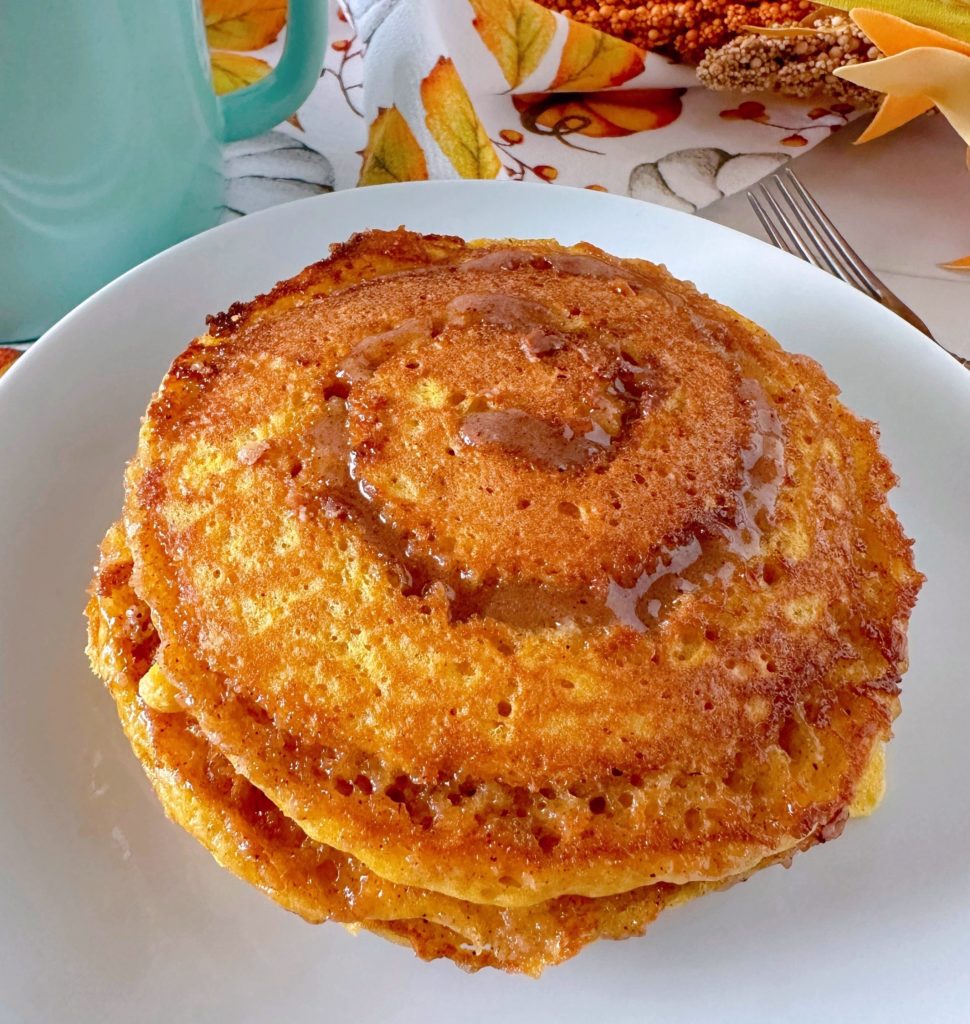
(330, 480)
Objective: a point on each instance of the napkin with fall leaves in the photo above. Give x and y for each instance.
(417, 89)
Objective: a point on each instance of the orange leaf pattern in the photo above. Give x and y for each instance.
(512, 89)
(600, 115)
(960, 264)
(231, 71)
(518, 33)
(8, 356)
(392, 152)
(593, 60)
(454, 125)
(243, 24)
(749, 110)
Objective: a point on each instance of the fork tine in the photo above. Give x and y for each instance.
(822, 249)
(851, 258)
(800, 249)
(770, 230)
(826, 244)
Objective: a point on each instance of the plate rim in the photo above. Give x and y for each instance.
(919, 343)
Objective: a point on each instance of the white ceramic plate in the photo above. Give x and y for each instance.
(109, 913)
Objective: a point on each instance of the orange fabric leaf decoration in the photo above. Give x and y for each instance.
(961, 264)
(8, 356)
(231, 71)
(454, 125)
(894, 35)
(518, 33)
(932, 73)
(600, 115)
(893, 113)
(946, 17)
(392, 152)
(243, 24)
(593, 60)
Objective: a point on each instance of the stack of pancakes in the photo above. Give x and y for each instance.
(495, 596)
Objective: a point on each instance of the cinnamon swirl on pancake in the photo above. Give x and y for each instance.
(524, 585)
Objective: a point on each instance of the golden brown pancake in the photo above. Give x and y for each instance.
(247, 834)
(515, 571)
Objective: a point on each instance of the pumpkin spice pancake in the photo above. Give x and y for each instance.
(248, 834)
(515, 571)
(506, 574)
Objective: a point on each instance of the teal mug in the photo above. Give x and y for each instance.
(110, 138)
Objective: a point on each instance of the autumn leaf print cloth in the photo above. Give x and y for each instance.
(423, 89)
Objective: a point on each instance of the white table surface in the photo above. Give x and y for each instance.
(903, 203)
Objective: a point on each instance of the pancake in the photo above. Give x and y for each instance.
(515, 571)
(248, 835)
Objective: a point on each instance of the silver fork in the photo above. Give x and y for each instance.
(797, 224)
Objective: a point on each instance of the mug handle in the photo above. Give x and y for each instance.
(263, 105)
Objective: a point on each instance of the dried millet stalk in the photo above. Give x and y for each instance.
(686, 29)
(800, 64)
